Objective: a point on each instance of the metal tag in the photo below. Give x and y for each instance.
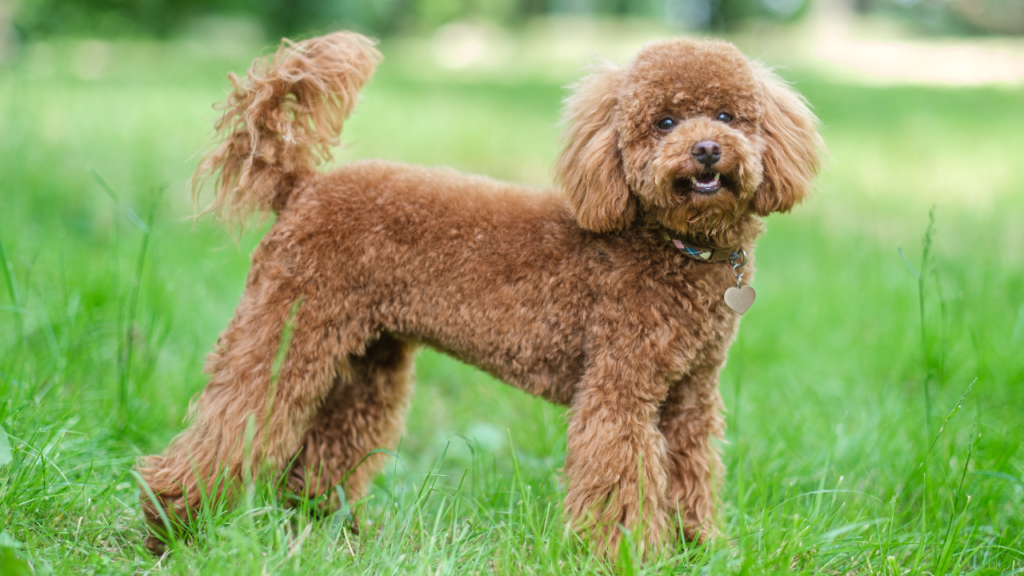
(740, 299)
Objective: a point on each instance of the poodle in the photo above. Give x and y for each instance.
(605, 295)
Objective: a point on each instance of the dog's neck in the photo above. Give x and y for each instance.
(741, 235)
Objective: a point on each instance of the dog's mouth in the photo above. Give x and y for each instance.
(705, 183)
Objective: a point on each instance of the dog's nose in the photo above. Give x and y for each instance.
(707, 152)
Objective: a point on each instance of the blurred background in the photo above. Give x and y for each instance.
(870, 322)
(32, 18)
(928, 40)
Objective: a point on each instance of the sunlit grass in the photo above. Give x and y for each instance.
(831, 466)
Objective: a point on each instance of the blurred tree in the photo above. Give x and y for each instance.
(954, 16)
(378, 17)
(730, 14)
(999, 16)
(534, 7)
(8, 38)
(734, 12)
(111, 17)
(310, 17)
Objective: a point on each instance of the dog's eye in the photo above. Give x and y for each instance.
(666, 124)
(724, 117)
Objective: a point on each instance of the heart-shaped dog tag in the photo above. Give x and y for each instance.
(740, 299)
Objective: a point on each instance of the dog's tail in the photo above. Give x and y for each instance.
(282, 120)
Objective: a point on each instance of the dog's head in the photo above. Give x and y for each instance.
(690, 134)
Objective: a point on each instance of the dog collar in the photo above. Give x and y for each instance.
(730, 255)
(738, 297)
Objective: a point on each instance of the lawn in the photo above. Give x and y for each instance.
(875, 394)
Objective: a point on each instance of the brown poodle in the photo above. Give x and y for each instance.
(605, 295)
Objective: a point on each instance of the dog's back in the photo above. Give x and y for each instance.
(479, 268)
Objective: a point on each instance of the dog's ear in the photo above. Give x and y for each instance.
(794, 147)
(590, 167)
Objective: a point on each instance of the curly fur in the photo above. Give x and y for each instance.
(572, 295)
(282, 120)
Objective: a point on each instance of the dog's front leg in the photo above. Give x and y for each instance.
(691, 420)
(616, 463)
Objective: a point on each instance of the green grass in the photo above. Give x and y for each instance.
(848, 450)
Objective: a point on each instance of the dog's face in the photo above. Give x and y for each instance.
(690, 134)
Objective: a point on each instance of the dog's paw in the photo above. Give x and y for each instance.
(155, 545)
(607, 518)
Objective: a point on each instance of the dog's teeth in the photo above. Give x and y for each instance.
(716, 176)
(693, 180)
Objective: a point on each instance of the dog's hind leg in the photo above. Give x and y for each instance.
(365, 410)
(243, 421)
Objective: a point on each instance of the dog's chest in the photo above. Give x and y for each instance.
(699, 325)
